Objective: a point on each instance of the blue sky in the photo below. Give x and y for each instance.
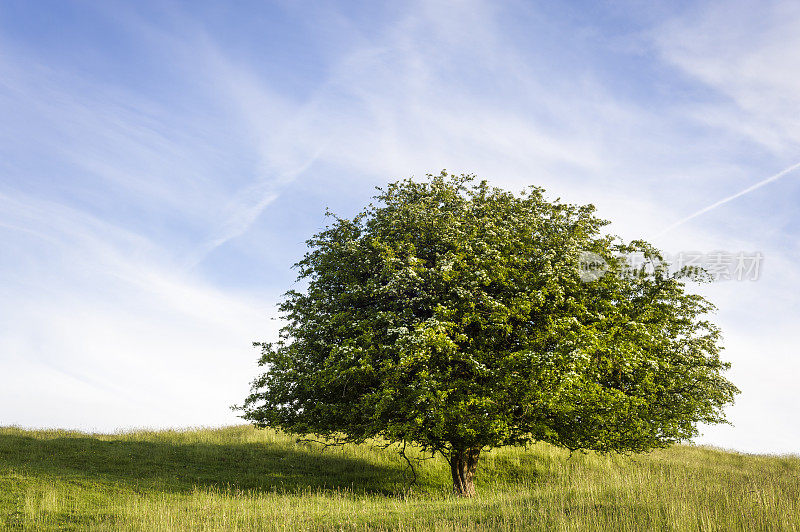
(162, 164)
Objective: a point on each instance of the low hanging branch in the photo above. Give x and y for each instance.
(410, 465)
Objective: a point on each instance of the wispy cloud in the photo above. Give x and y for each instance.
(741, 49)
(246, 206)
(99, 306)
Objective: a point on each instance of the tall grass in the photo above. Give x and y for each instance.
(240, 478)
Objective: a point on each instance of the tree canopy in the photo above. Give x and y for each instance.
(456, 317)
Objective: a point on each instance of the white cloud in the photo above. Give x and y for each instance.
(97, 332)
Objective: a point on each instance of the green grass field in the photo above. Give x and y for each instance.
(240, 478)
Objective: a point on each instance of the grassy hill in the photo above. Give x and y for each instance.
(239, 478)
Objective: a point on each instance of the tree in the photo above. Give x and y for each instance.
(456, 317)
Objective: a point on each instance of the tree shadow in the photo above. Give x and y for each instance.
(500, 469)
(183, 467)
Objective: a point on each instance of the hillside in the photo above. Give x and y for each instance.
(239, 478)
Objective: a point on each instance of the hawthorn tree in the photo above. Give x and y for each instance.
(457, 317)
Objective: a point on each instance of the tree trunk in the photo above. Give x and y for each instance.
(462, 467)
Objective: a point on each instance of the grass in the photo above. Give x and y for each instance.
(240, 478)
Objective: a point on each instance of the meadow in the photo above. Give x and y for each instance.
(241, 478)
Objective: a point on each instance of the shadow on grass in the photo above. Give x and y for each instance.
(184, 466)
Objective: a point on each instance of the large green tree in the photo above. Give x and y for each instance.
(458, 317)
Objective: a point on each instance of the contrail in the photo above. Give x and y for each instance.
(732, 197)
